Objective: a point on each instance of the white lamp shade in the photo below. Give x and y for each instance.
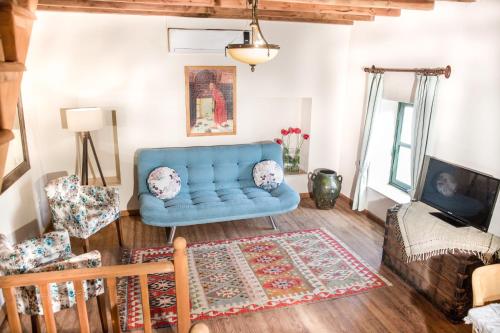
(84, 119)
(253, 55)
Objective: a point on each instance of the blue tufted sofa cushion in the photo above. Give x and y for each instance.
(216, 185)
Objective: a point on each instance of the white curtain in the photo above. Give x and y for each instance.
(424, 105)
(375, 86)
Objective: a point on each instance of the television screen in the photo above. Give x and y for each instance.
(463, 194)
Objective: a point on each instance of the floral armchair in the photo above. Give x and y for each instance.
(51, 252)
(82, 210)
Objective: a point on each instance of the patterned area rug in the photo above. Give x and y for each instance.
(230, 277)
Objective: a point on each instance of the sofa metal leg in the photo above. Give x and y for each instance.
(171, 235)
(275, 227)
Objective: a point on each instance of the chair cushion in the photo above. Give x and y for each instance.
(485, 319)
(267, 175)
(164, 183)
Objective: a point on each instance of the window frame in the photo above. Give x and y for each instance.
(396, 148)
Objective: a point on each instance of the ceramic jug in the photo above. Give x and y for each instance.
(326, 186)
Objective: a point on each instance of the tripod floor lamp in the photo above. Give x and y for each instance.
(84, 121)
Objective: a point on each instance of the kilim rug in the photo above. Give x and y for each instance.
(230, 277)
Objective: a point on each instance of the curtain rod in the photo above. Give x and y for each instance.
(446, 71)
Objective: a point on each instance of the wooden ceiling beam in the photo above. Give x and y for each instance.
(247, 14)
(117, 5)
(304, 7)
(306, 20)
(124, 3)
(200, 11)
(208, 14)
(201, 14)
(401, 4)
(320, 11)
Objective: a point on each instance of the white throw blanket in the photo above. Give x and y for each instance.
(424, 235)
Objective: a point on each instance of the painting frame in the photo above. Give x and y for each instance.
(16, 173)
(230, 113)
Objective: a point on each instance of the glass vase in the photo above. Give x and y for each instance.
(291, 160)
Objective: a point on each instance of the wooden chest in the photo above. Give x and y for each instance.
(445, 280)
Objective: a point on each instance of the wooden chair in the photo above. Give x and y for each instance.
(485, 289)
(110, 274)
(83, 210)
(486, 284)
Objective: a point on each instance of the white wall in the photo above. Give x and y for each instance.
(467, 123)
(122, 62)
(23, 204)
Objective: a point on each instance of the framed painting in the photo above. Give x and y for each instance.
(18, 160)
(210, 100)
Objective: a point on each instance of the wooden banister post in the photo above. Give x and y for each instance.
(12, 315)
(113, 307)
(82, 306)
(48, 313)
(182, 286)
(146, 311)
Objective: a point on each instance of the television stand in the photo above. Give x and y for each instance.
(445, 279)
(448, 219)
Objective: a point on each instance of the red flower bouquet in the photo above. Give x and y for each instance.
(291, 156)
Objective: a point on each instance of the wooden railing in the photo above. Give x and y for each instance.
(110, 274)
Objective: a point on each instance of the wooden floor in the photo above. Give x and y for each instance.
(392, 309)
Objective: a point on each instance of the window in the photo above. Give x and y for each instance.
(401, 152)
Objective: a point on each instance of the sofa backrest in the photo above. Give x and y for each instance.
(207, 168)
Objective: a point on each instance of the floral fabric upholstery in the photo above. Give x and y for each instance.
(82, 210)
(64, 189)
(51, 252)
(268, 175)
(32, 253)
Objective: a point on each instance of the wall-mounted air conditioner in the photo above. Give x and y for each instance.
(186, 41)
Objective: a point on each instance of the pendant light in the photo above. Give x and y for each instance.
(259, 50)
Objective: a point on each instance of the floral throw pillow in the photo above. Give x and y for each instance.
(164, 183)
(267, 175)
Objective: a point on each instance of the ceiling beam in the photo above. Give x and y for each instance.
(304, 7)
(118, 5)
(197, 11)
(187, 3)
(320, 11)
(401, 4)
(207, 13)
(247, 14)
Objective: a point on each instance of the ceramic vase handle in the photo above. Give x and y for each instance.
(311, 175)
(339, 178)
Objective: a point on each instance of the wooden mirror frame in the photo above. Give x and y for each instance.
(24, 166)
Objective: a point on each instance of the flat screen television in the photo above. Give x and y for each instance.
(464, 197)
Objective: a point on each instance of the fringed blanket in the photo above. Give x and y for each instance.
(424, 236)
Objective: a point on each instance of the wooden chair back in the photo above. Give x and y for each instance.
(110, 274)
(486, 284)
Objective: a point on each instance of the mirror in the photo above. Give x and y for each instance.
(17, 157)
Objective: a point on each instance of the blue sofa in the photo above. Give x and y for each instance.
(216, 185)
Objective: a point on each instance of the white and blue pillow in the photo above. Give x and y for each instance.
(164, 183)
(268, 175)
